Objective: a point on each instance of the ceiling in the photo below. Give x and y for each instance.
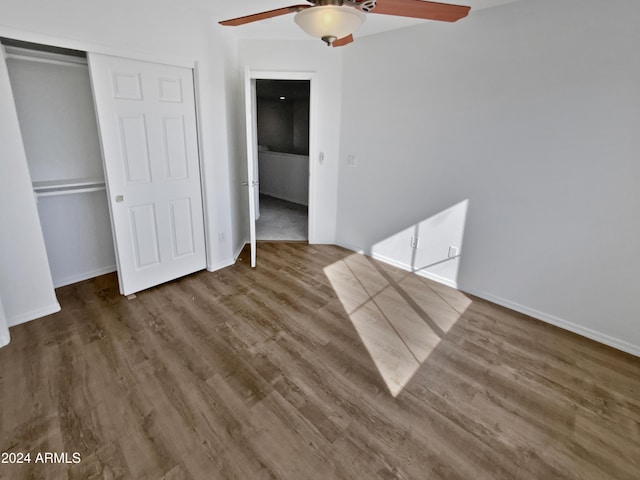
(284, 27)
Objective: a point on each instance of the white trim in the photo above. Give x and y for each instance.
(538, 315)
(359, 250)
(220, 265)
(5, 338)
(83, 46)
(404, 266)
(559, 322)
(84, 276)
(32, 315)
(238, 250)
(280, 74)
(437, 278)
(227, 263)
(322, 241)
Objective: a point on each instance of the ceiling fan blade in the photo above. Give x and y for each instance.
(234, 22)
(341, 42)
(444, 12)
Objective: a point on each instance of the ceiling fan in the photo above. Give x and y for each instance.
(334, 21)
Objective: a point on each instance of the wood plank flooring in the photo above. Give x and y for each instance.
(318, 364)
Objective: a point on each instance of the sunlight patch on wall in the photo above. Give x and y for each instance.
(398, 316)
(432, 246)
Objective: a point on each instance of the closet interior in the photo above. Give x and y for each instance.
(52, 92)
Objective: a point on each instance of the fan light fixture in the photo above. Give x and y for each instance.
(329, 22)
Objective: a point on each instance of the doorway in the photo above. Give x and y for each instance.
(253, 178)
(283, 159)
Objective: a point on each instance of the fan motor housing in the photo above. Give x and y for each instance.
(363, 5)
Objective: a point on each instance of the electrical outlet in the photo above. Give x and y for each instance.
(221, 236)
(413, 243)
(453, 252)
(351, 160)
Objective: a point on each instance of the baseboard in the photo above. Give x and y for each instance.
(404, 266)
(538, 315)
(322, 241)
(422, 273)
(32, 315)
(5, 338)
(354, 249)
(84, 276)
(559, 322)
(212, 267)
(238, 250)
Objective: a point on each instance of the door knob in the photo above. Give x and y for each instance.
(119, 198)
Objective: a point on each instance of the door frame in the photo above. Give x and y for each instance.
(178, 61)
(255, 74)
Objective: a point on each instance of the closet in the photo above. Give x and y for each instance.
(53, 97)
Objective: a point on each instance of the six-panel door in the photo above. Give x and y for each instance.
(146, 114)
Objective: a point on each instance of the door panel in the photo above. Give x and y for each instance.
(144, 236)
(126, 86)
(182, 227)
(146, 113)
(133, 132)
(170, 89)
(252, 156)
(175, 148)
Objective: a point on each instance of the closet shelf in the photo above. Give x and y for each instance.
(68, 186)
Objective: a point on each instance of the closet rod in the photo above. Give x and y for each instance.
(69, 191)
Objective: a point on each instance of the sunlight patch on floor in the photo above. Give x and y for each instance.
(399, 318)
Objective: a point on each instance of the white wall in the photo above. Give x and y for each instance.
(284, 176)
(308, 56)
(57, 119)
(283, 125)
(77, 235)
(26, 288)
(530, 112)
(275, 125)
(237, 154)
(155, 31)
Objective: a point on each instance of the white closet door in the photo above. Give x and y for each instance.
(147, 123)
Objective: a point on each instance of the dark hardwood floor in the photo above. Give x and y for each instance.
(318, 364)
